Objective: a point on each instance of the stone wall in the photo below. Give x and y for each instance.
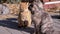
(14, 8)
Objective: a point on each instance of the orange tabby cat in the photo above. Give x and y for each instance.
(24, 17)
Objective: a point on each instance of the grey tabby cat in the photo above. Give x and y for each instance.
(43, 22)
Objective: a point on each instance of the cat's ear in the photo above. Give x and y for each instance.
(27, 3)
(42, 1)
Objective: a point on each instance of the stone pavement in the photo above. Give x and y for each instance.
(9, 26)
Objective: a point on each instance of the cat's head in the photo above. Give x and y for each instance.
(24, 5)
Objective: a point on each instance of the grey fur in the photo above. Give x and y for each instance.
(43, 22)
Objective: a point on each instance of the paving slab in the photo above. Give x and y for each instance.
(3, 30)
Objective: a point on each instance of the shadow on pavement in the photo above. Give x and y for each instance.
(11, 23)
(56, 16)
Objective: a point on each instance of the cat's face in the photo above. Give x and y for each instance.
(24, 5)
(37, 6)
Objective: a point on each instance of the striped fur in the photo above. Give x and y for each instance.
(24, 17)
(42, 21)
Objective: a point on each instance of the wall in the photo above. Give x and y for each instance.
(14, 8)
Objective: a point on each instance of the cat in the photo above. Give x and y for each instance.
(24, 15)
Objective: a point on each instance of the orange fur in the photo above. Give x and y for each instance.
(25, 15)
